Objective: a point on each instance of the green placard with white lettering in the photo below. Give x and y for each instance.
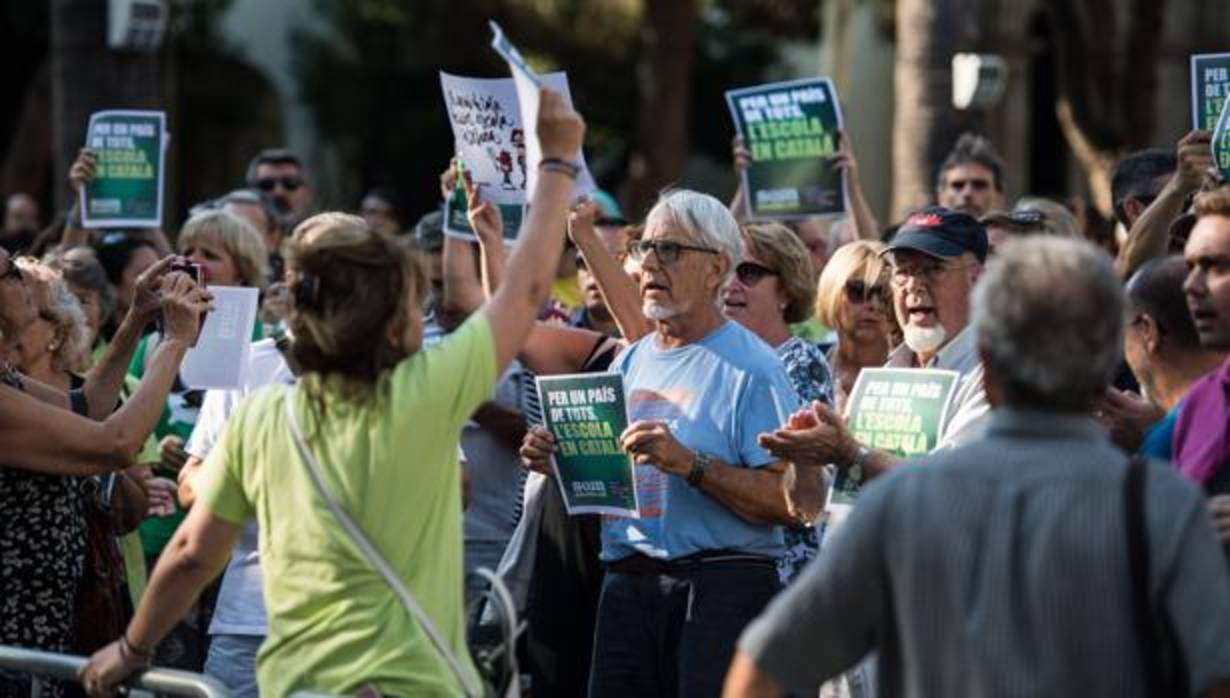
(790, 129)
(586, 413)
(897, 410)
(1210, 87)
(127, 189)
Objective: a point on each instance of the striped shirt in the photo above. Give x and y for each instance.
(1001, 569)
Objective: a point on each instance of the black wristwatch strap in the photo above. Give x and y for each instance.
(700, 463)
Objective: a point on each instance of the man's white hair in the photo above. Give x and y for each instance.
(1048, 314)
(705, 220)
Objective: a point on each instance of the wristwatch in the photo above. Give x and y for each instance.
(700, 462)
(855, 470)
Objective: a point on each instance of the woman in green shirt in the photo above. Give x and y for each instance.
(384, 420)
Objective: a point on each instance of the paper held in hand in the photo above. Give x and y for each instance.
(127, 189)
(220, 358)
(790, 130)
(490, 138)
(528, 83)
(586, 413)
(898, 410)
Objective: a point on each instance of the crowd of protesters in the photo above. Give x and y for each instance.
(1069, 534)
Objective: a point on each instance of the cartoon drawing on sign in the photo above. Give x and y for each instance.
(504, 163)
(518, 141)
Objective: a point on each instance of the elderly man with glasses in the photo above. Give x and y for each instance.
(699, 562)
(935, 258)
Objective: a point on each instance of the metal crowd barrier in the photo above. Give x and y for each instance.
(171, 682)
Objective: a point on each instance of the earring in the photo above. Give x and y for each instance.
(53, 346)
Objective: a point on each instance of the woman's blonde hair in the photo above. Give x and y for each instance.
(782, 251)
(860, 259)
(57, 305)
(348, 287)
(237, 238)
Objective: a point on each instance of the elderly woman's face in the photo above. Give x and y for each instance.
(16, 306)
(864, 308)
(755, 295)
(217, 265)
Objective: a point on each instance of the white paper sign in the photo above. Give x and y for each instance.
(527, 84)
(220, 357)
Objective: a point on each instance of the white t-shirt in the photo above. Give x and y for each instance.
(240, 609)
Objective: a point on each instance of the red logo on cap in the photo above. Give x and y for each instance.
(926, 220)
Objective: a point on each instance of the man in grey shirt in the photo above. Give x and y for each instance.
(1002, 567)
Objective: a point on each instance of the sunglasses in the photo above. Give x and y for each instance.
(858, 292)
(288, 182)
(668, 251)
(750, 273)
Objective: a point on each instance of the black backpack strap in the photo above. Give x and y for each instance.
(1138, 558)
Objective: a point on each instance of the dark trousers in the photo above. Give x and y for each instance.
(672, 634)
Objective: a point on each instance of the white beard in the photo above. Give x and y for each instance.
(924, 340)
(658, 311)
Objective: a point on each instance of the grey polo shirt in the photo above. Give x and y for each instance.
(1001, 569)
(968, 411)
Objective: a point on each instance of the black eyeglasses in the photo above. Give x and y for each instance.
(858, 292)
(668, 251)
(750, 273)
(288, 182)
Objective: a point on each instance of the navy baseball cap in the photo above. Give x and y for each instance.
(941, 232)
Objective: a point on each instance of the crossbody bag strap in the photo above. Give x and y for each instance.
(469, 683)
(1138, 558)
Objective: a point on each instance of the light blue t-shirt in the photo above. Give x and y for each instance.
(716, 396)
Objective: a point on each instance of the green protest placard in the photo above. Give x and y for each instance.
(1210, 87)
(898, 410)
(586, 413)
(127, 191)
(790, 129)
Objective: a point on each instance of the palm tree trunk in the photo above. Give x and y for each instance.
(926, 124)
(87, 76)
(664, 72)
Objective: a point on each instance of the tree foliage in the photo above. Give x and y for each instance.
(368, 69)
